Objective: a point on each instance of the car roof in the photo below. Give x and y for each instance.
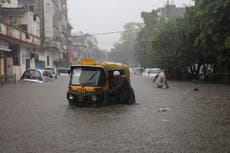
(155, 68)
(49, 68)
(40, 70)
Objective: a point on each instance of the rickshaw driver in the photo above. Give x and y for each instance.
(122, 88)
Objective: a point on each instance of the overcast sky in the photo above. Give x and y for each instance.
(102, 16)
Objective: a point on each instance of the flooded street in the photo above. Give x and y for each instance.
(36, 118)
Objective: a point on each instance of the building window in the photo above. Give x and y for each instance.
(16, 61)
(48, 60)
(27, 64)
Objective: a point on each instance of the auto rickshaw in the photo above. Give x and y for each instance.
(91, 80)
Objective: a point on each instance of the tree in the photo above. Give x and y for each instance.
(167, 49)
(143, 47)
(192, 44)
(123, 50)
(214, 37)
(192, 56)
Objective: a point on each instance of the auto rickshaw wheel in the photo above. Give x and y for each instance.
(71, 103)
(130, 96)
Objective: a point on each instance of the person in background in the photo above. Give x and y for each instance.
(160, 80)
(122, 89)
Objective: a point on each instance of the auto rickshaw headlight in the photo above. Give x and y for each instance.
(71, 97)
(94, 98)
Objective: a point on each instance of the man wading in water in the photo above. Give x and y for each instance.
(160, 80)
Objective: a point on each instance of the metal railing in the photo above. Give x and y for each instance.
(7, 79)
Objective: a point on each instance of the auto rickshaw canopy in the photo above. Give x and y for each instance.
(109, 66)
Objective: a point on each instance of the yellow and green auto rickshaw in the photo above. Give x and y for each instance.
(91, 80)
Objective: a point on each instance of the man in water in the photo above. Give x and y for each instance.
(122, 89)
(160, 80)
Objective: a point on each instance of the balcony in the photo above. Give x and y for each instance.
(52, 44)
(10, 33)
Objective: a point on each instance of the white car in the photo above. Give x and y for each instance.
(53, 71)
(146, 72)
(63, 71)
(153, 72)
(36, 76)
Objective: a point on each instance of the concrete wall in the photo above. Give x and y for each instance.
(24, 53)
(2, 66)
(32, 26)
(13, 3)
(171, 11)
(48, 11)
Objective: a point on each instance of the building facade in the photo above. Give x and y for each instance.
(33, 34)
(84, 46)
(19, 38)
(170, 11)
(57, 32)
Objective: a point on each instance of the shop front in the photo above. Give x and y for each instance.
(40, 60)
(4, 49)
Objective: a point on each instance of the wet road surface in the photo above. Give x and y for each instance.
(36, 118)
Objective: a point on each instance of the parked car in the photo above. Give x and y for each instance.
(146, 72)
(153, 72)
(62, 71)
(37, 76)
(53, 71)
(139, 70)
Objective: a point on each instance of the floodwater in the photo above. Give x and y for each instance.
(36, 118)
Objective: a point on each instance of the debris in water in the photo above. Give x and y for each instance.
(163, 109)
(195, 89)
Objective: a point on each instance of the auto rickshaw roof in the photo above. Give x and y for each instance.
(107, 65)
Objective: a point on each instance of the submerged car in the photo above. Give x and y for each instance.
(36, 76)
(53, 71)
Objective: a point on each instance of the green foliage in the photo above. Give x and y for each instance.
(199, 40)
(227, 42)
(143, 46)
(123, 50)
(215, 32)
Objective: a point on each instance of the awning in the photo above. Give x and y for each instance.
(10, 11)
(4, 46)
(4, 49)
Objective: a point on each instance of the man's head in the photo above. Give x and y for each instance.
(117, 78)
(116, 73)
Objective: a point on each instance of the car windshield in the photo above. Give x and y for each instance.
(51, 70)
(88, 76)
(32, 74)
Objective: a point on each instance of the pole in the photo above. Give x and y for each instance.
(167, 9)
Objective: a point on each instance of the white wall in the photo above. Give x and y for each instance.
(32, 26)
(13, 3)
(23, 52)
(48, 11)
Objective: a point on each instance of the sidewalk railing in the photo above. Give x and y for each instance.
(7, 78)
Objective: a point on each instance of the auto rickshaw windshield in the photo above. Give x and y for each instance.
(87, 76)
